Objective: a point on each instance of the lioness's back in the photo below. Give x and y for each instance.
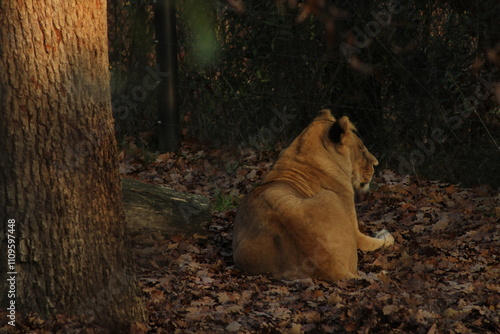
(301, 221)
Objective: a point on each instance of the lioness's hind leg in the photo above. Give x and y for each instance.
(382, 239)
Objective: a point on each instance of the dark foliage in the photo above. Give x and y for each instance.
(416, 77)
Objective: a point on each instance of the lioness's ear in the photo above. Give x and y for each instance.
(325, 112)
(338, 129)
(335, 132)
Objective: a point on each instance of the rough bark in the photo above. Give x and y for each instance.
(58, 172)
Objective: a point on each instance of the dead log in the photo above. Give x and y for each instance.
(155, 208)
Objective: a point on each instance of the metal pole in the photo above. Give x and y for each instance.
(166, 57)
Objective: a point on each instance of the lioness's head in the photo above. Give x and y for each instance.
(328, 152)
(346, 140)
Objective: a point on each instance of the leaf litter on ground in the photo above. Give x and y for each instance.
(441, 276)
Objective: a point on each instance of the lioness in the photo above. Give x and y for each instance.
(301, 221)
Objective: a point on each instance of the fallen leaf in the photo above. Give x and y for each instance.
(433, 329)
(390, 309)
(295, 329)
(233, 327)
(139, 328)
(441, 224)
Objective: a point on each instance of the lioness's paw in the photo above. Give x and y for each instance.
(386, 236)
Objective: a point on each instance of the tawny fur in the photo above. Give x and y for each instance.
(301, 221)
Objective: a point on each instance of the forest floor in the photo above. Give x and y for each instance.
(441, 276)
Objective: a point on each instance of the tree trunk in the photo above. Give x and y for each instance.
(60, 197)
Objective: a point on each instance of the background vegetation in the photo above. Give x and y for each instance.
(417, 77)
